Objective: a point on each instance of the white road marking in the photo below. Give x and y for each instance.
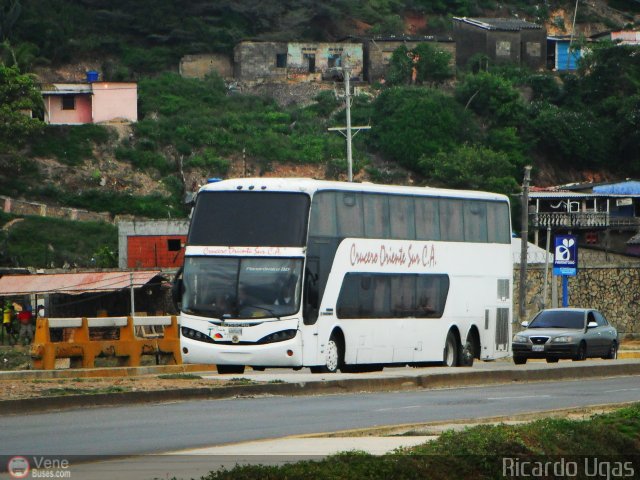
(519, 397)
(397, 408)
(623, 390)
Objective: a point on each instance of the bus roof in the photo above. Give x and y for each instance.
(310, 186)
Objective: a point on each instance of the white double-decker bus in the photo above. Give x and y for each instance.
(330, 275)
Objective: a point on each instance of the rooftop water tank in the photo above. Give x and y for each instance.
(92, 76)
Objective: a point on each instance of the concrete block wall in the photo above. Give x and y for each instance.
(23, 207)
(612, 289)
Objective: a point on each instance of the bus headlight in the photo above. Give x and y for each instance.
(195, 335)
(279, 336)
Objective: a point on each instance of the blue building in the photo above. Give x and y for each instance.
(559, 56)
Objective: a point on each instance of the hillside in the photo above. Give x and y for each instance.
(464, 129)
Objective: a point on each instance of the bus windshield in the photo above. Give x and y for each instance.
(250, 219)
(241, 288)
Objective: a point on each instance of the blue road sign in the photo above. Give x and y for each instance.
(565, 261)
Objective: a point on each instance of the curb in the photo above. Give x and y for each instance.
(438, 380)
(105, 372)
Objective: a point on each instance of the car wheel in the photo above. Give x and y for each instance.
(581, 354)
(450, 355)
(519, 360)
(226, 369)
(333, 357)
(552, 360)
(613, 352)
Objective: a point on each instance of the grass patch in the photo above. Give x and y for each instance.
(476, 452)
(71, 145)
(180, 376)
(12, 358)
(240, 381)
(45, 242)
(63, 391)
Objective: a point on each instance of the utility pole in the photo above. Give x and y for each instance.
(573, 32)
(524, 234)
(133, 305)
(346, 131)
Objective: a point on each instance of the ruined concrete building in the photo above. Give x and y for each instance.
(299, 61)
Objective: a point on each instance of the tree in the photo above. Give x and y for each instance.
(399, 71)
(434, 64)
(410, 122)
(18, 95)
(471, 167)
(571, 137)
(491, 97)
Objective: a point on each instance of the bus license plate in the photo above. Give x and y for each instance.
(538, 348)
(235, 330)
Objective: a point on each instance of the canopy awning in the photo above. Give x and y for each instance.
(74, 283)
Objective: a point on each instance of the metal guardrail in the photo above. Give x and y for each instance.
(78, 345)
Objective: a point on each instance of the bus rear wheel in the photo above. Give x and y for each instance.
(450, 356)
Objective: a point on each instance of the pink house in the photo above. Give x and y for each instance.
(96, 102)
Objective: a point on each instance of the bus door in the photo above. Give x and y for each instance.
(310, 309)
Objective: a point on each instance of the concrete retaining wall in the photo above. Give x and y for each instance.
(23, 207)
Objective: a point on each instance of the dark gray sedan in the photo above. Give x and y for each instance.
(576, 333)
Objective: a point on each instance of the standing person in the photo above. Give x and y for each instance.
(8, 316)
(6, 320)
(25, 318)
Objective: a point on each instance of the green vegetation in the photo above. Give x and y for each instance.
(18, 97)
(198, 123)
(63, 391)
(478, 134)
(478, 452)
(46, 242)
(180, 376)
(70, 145)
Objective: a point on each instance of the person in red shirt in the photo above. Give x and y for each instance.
(25, 318)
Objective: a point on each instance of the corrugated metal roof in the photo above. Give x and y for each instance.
(66, 88)
(510, 24)
(630, 187)
(561, 194)
(73, 283)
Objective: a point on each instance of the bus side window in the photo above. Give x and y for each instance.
(311, 293)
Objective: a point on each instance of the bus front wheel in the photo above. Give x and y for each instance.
(332, 355)
(450, 357)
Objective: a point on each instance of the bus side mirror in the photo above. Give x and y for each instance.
(177, 289)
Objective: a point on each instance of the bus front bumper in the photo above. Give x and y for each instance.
(279, 354)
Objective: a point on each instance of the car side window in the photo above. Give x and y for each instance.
(600, 320)
(591, 318)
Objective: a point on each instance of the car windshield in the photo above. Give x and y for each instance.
(558, 319)
(229, 287)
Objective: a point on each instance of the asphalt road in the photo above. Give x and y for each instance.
(130, 430)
